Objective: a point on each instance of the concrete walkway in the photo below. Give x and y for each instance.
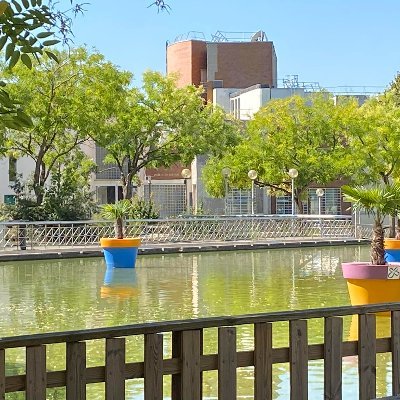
(178, 247)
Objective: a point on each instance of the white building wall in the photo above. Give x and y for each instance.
(221, 97)
(251, 101)
(25, 167)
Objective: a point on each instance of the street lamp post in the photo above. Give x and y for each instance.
(226, 173)
(293, 173)
(252, 174)
(148, 178)
(186, 174)
(319, 192)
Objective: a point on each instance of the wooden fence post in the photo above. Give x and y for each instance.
(2, 374)
(227, 363)
(395, 347)
(298, 354)
(367, 355)
(333, 343)
(191, 376)
(176, 380)
(115, 368)
(36, 377)
(153, 366)
(76, 371)
(263, 361)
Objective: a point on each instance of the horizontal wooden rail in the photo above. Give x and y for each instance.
(190, 324)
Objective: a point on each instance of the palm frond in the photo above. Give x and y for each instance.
(378, 201)
(120, 210)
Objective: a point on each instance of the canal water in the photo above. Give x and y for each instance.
(45, 296)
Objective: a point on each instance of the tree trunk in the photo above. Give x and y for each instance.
(119, 228)
(299, 205)
(39, 178)
(398, 229)
(377, 245)
(126, 182)
(392, 231)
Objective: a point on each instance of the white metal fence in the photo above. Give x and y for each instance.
(53, 235)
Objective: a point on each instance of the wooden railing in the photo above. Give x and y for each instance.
(188, 361)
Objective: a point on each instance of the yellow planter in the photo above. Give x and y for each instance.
(372, 291)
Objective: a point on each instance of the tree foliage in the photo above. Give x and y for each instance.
(117, 212)
(378, 201)
(376, 139)
(308, 134)
(158, 125)
(67, 197)
(59, 96)
(28, 30)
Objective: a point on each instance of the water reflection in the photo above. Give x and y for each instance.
(41, 296)
(119, 283)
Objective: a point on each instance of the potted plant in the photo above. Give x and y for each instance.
(119, 252)
(392, 245)
(376, 281)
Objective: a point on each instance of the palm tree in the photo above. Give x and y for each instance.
(378, 202)
(117, 212)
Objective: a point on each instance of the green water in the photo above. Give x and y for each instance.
(44, 296)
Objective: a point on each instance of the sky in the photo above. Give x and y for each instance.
(337, 43)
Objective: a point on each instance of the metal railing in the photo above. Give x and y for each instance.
(53, 235)
(186, 362)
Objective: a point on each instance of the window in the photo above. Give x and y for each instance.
(9, 199)
(330, 201)
(238, 202)
(283, 205)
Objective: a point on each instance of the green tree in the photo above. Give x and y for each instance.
(60, 97)
(28, 29)
(376, 142)
(157, 126)
(68, 197)
(308, 134)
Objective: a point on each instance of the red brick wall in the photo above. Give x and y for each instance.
(242, 65)
(173, 172)
(187, 59)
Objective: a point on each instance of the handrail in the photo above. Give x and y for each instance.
(190, 324)
(189, 218)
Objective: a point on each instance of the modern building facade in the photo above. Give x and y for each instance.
(226, 64)
(227, 61)
(239, 73)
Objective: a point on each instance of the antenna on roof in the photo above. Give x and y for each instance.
(259, 36)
